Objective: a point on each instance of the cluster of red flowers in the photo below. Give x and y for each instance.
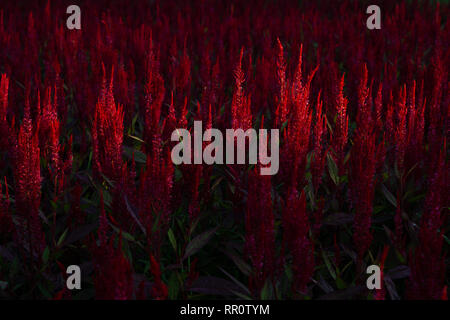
(363, 118)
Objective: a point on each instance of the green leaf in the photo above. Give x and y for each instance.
(239, 262)
(173, 286)
(125, 235)
(134, 215)
(332, 169)
(139, 156)
(45, 255)
(62, 238)
(44, 291)
(198, 242)
(133, 123)
(172, 239)
(136, 138)
(266, 292)
(389, 196)
(284, 125)
(340, 283)
(240, 284)
(328, 264)
(241, 296)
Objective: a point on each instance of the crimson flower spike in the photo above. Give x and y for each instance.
(319, 148)
(4, 127)
(282, 103)
(341, 128)
(381, 294)
(27, 177)
(297, 227)
(238, 95)
(5, 217)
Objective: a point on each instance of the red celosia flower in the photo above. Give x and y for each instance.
(281, 112)
(27, 177)
(5, 216)
(107, 135)
(401, 113)
(59, 160)
(339, 139)
(4, 127)
(154, 207)
(427, 265)
(297, 135)
(400, 131)
(159, 289)
(113, 273)
(297, 227)
(363, 168)
(259, 226)
(319, 149)
(113, 278)
(416, 129)
(380, 294)
(154, 96)
(241, 116)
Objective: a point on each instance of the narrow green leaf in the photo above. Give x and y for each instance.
(136, 138)
(240, 284)
(45, 255)
(389, 196)
(266, 292)
(332, 169)
(62, 238)
(328, 264)
(198, 242)
(172, 239)
(340, 283)
(173, 286)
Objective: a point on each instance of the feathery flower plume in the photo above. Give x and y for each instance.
(339, 138)
(297, 227)
(4, 127)
(107, 135)
(259, 231)
(27, 178)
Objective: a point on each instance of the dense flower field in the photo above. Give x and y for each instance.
(87, 179)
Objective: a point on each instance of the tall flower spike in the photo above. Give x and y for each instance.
(297, 226)
(238, 96)
(341, 127)
(427, 280)
(381, 293)
(159, 289)
(113, 277)
(259, 226)
(362, 186)
(5, 217)
(319, 145)
(107, 135)
(282, 104)
(4, 128)
(154, 92)
(299, 129)
(27, 177)
(401, 134)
